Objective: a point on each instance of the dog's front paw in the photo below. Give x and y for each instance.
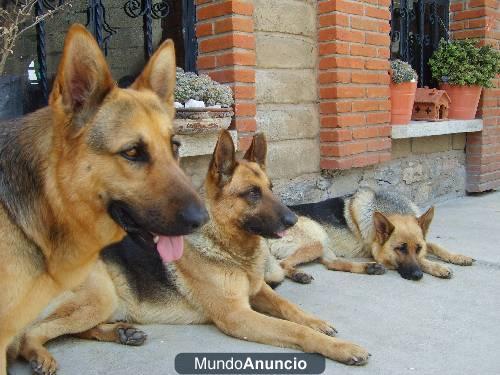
(462, 260)
(444, 273)
(131, 336)
(375, 269)
(322, 326)
(302, 277)
(45, 365)
(349, 354)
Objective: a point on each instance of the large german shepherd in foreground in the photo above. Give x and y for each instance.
(382, 225)
(219, 280)
(75, 176)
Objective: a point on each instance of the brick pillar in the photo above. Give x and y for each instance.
(226, 52)
(353, 38)
(479, 19)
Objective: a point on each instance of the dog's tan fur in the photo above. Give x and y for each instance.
(55, 220)
(375, 229)
(219, 280)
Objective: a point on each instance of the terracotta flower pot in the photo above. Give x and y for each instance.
(402, 99)
(464, 101)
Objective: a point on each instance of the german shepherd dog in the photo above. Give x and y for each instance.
(219, 280)
(382, 225)
(77, 175)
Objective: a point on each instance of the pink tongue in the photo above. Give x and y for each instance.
(281, 234)
(170, 248)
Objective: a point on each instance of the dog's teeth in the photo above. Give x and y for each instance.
(156, 239)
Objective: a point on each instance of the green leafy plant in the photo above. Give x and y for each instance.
(201, 87)
(402, 72)
(463, 62)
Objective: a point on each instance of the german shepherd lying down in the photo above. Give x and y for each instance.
(383, 225)
(219, 280)
(77, 175)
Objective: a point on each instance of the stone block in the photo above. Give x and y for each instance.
(401, 148)
(284, 121)
(285, 85)
(458, 141)
(428, 145)
(286, 16)
(285, 51)
(292, 158)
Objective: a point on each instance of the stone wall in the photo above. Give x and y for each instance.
(286, 88)
(426, 169)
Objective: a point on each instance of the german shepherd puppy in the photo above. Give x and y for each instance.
(219, 280)
(382, 225)
(77, 175)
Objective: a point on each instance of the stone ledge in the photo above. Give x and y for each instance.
(417, 129)
(202, 143)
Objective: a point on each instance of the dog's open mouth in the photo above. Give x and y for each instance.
(170, 248)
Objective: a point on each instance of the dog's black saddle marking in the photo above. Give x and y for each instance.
(329, 211)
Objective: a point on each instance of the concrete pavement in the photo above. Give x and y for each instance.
(432, 326)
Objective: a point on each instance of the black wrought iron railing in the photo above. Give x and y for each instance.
(97, 23)
(416, 28)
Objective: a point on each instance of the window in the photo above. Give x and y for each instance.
(416, 28)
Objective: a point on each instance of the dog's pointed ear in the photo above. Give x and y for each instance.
(425, 220)
(83, 78)
(383, 227)
(223, 159)
(159, 74)
(257, 151)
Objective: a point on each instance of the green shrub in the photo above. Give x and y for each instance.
(462, 62)
(402, 72)
(201, 87)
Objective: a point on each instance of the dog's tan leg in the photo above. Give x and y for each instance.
(121, 333)
(449, 257)
(370, 268)
(89, 305)
(240, 321)
(269, 302)
(304, 254)
(435, 269)
(3, 356)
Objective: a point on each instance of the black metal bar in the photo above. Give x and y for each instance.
(148, 28)
(421, 32)
(188, 30)
(415, 43)
(41, 53)
(96, 22)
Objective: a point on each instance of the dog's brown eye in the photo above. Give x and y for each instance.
(136, 153)
(403, 248)
(419, 247)
(253, 194)
(132, 153)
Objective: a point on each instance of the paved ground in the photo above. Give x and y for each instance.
(432, 326)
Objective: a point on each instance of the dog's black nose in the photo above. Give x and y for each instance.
(416, 274)
(193, 216)
(289, 219)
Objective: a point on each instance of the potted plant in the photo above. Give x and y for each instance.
(462, 69)
(403, 86)
(16, 17)
(203, 105)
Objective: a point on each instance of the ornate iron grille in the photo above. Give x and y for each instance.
(97, 23)
(416, 28)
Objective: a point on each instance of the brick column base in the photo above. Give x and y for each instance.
(478, 19)
(226, 52)
(353, 38)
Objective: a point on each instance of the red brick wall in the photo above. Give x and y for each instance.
(353, 38)
(480, 19)
(226, 52)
